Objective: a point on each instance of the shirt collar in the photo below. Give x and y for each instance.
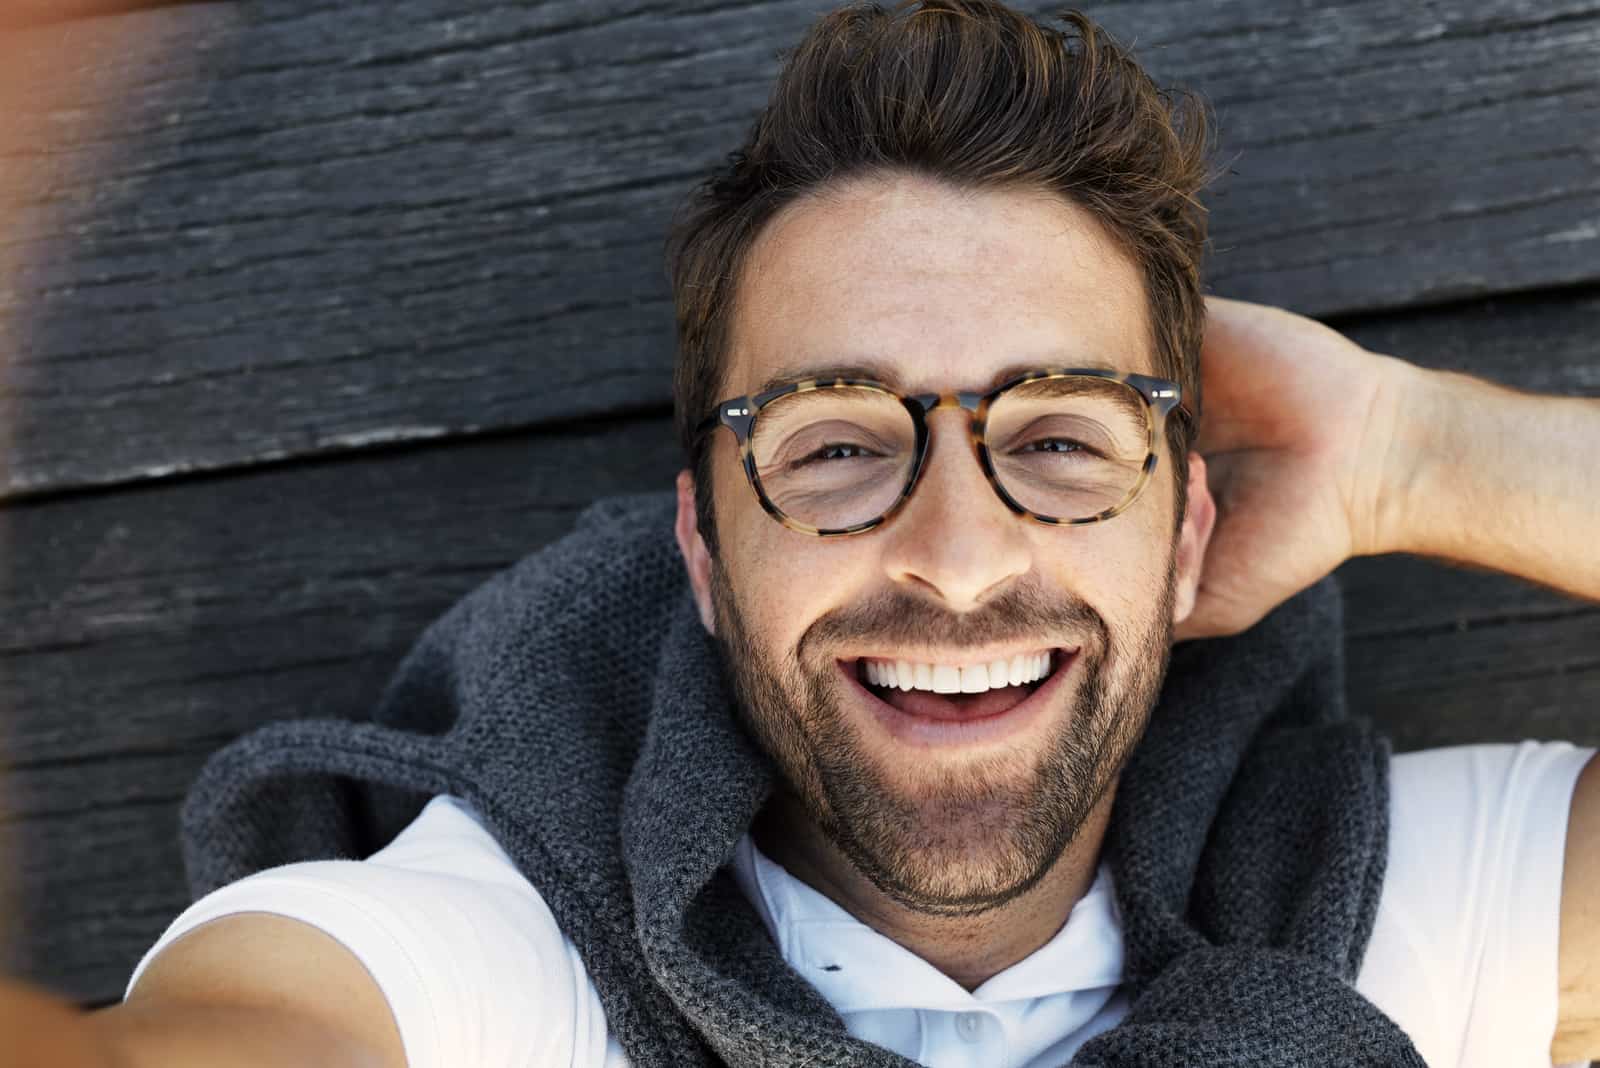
(857, 969)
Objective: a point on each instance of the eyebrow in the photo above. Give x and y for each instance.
(788, 376)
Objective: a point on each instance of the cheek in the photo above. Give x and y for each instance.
(781, 581)
(1117, 568)
(786, 582)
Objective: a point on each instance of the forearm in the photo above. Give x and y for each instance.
(1492, 477)
(38, 1028)
(178, 1035)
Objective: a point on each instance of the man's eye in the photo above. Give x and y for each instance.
(838, 451)
(1059, 445)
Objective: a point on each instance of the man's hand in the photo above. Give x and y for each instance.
(1296, 431)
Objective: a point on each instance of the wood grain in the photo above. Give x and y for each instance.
(337, 226)
(146, 627)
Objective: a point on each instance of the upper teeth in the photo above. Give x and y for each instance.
(968, 678)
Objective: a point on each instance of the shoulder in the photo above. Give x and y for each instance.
(1464, 948)
(452, 933)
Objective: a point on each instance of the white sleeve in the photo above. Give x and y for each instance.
(465, 950)
(1464, 953)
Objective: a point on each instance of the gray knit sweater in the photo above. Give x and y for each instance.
(577, 703)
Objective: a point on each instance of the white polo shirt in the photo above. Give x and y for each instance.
(1463, 954)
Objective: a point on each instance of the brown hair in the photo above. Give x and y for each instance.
(975, 94)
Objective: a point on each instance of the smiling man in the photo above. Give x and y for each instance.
(871, 745)
(951, 706)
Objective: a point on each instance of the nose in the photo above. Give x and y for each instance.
(954, 538)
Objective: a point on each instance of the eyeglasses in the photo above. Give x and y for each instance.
(1059, 445)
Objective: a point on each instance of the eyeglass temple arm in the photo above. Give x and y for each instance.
(736, 413)
(1165, 397)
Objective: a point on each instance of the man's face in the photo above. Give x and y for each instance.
(954, 804)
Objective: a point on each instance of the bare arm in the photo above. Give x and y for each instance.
(1486, 475)
(1318, 450)
(1511, 481)
(1577, 1034)
(251, 991)
(1490, 476)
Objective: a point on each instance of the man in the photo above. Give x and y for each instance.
(939, 326)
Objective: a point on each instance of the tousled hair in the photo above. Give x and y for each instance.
(977, 95)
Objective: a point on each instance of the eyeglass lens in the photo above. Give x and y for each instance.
(1068, 447)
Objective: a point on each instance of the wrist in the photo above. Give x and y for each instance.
(1457, 472)
(1391, 466)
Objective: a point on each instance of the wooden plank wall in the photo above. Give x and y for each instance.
(345, 307)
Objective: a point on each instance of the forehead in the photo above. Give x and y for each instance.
(930, 287)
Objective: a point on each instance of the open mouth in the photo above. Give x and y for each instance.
(959, 694)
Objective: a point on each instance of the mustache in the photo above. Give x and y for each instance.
(897, 617)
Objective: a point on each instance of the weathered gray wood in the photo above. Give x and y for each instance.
(100, 869)
(1392, 154)
(1442, 655)
(145, 628)
(333, 226)
(1546, 342)
(182, 614)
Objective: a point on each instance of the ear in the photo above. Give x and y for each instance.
(695, 557)
(1199, 518)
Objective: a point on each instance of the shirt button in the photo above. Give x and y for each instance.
(969, 1025)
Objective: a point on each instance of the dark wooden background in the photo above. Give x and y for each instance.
(337, 309)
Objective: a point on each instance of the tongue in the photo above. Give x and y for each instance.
(954, 705)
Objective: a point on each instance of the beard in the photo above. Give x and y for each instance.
(950, 838)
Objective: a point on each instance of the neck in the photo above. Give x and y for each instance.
(969, 949)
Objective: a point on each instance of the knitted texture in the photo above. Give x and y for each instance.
(577, 703)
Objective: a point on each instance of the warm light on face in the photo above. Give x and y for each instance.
(935, 290)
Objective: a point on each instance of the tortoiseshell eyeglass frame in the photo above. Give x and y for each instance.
(1161, 397)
